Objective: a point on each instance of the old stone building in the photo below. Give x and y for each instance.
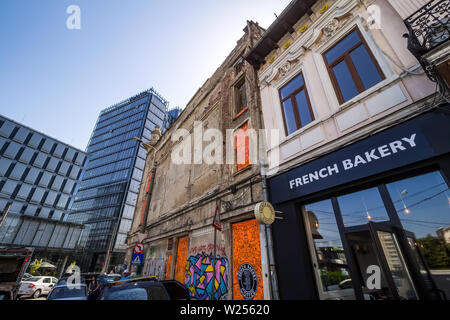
(177, 203)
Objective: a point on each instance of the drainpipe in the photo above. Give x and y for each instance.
(265, 230)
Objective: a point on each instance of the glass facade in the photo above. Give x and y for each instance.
(38, 177)
(107, 196)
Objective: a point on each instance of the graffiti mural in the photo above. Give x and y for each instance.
(155, 268)
(206, 278)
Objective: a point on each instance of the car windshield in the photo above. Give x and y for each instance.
(136, 293)
(66, 292)
(109, 279)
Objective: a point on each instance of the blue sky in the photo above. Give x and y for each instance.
(57, 80)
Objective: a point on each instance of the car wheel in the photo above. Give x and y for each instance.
(37, 294)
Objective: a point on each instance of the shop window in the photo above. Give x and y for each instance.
(296, 106)
(362, 207)
(242, 148)
(422, 204)
(328, 254)
(240, 96)
(352, 66)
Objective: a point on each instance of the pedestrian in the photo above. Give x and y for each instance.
(93, 289)
(125, 275)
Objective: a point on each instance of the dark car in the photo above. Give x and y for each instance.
(64, 292)
(145, 289)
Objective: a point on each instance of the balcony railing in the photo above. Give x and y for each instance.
(429, 27)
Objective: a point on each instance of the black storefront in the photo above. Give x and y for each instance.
(371, 220)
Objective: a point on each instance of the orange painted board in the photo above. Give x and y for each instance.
(169, 265)
(247, 250)
(180, 267)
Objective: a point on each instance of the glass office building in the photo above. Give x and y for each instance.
(39, 176)
(106, 200)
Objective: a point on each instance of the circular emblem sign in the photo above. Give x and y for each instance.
(265, 213)
(248, 282)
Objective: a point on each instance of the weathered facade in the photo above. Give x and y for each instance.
(363, 153)
(178, 234)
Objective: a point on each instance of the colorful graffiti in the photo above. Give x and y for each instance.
(206, 278)
(207, 248)
(154, 268)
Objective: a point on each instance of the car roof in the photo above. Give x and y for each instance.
(65, 285)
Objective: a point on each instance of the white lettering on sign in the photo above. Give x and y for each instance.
(358, 160)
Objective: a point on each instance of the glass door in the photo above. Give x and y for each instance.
(382, 268)
(395, 263)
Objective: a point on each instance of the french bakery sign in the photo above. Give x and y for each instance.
(415, 140)
(376, 154)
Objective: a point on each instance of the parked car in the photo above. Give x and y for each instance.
(36, 286)
(26, 276)
(108, 278)
(147, 288)
(65, 292)
(66, 276)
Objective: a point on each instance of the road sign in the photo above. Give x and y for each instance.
(139, 248)
(216, 222)
(138, 258)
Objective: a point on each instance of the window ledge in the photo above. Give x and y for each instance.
(243, 170)
(364, 95)
(240, 113)
(300, 131)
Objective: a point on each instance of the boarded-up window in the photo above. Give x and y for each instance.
(242, 148)
(180, 267)
(169, 265)
(247, 268)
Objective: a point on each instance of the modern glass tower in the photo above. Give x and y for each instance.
(39, 176)
(107, 196)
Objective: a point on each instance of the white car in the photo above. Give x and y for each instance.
(36, 286)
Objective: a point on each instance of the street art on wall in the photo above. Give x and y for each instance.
(155, 268)
(206, 277)
(208, 249)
